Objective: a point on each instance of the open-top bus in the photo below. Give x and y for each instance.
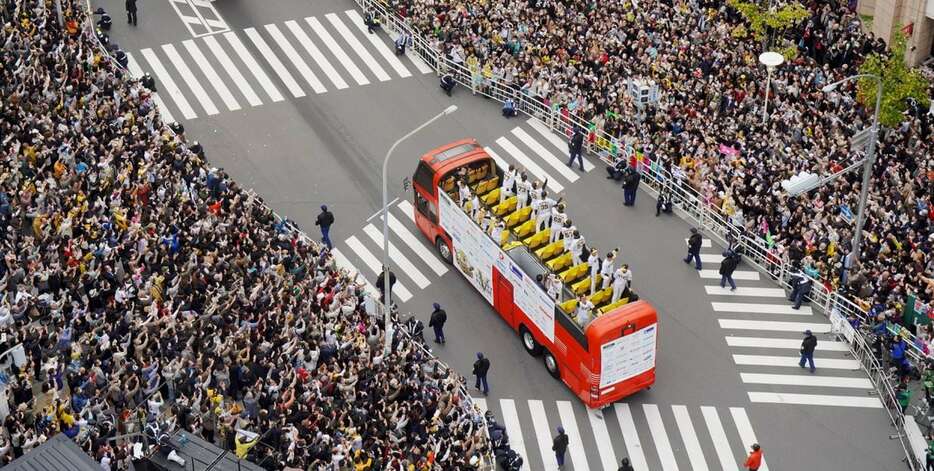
(609, 358)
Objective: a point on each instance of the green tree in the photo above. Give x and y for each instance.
(899, 82)
(761, 18)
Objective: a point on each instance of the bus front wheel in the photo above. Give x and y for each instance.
(551, 364)
(443, 250)
(528, 341)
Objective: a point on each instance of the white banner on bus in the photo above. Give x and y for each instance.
(628, 356)
(528, 296)
(472, 250)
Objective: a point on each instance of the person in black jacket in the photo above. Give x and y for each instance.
(131, 12)
(380, 284)
(625, 465)
(617, 170)
(438, 318)
(480, 368)
(808, 345)
(324, 221)
(575, 147)
(630, 186)
(663, 205)
(694, 245)
(727, 267)
(560, 446)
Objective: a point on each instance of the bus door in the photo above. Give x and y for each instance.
(502, 297)
(426, 208)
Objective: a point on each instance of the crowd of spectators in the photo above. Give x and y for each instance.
(147, 286)
(707, 130)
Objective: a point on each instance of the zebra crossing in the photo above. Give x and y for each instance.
(230, 70)
(652, 436)
(530, 145)
(764, 334)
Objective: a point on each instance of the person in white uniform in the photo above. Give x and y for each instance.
(544, 212)
(567, 233)
(497, 233)
(558, 218)
(576, 247)
(523, 187)
(584, 315)
(593, 263)
(509, 181)
(606, 268)
(553, 286)
(463, 192)
(621, 279)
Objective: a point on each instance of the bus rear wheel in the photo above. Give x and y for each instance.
(528, 341)
(443, 250)
(551, 364)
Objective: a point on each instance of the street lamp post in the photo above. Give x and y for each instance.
(387, 318)
(770, 60)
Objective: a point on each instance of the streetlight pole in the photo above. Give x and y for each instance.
(387, 318)
(771, 60)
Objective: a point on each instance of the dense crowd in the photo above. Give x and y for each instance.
(148, 289)
(707, 130)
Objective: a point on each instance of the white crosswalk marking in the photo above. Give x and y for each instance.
(660, 437)
(745, 291)
(720, 443)
(295, 59)
(602, 436)
(274, 62)
(543, 434)
(711, 258)
(514, 430)
(407, 209)
(631, 437)
(380, 46)
(815, 400)
(556, 141)
(232, 71)
(137, 72)
(754, 308)
(576, 446)
(744, 428)
(190, 79)
(316, 54)
(737, 275)
(788, 344)
(376, 267)
(774, 326)
(397, 257)
(357, 46)
(528, 163)
(338, 51)
(342, 262)
(770, 360)
(168, 83)
(211, 74)
(689, 437)
(806, 380)
(500, 162)
(254, 66)
(556, 163)
(423, 252)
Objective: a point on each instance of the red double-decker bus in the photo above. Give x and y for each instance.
(608, 358)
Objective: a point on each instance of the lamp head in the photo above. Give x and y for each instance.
(450, 109)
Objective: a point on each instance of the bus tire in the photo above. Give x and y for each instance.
(443, 250)
(528, 341)
(551, 364)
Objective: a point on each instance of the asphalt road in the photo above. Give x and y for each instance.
(718, 367)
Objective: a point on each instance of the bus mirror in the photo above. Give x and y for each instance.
(406, 184)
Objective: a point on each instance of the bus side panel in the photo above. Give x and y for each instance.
(502, 298)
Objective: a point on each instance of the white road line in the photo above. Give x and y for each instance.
(705, 243)
(545, 154)
(807, 380)
(542, 434)
(604, 443)
(388, 55)
(720, 443)
(274, 62)
(376, 267)
(771, 360)
(316, 54)
(396, 256)
(137, 72)
(746, 434)
(358, 47)
(631, 437)
(500, 162)
(423, 252)
(815, 400)
(413, 56)
(789, 344)
(168, 84)
(775, 326)
(660, 437)
(556, 141)
(689, 437)
(755, 308)
(232, 71)
(737, 275)
(481, 404)
(190, 79)
(576, 446)
(514, 430)
(254, 66)
(746, 291)
(711, 258)
(407, 209)
(211, 74)
(529, 164)
(295, 59)
(342, 262)
(338, 52)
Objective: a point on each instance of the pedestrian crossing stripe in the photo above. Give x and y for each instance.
(788, 361)
(737, 275)
(231, 70)
(284, 75)
(296, 60)
(211, 74)
(556, 141)
(413, 242)
(375, 266)
(556, 163)
(253, 66)
(316, 54)
(602, 436)
(337, 50)
(744, 428)
(716, 290)
(789, 344)
(357, 46)
(343, 262)
(815, 400)
(528, 164)
(691, 443)
(660, 437)
(388, 55)
(168, 84)
(755, 308)
(569, 423)
(514, 429)
(775, 326)
(136, 71)
(189, 79)
(705, 243)
(397, 257)
(718, 436)
(807, 380)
